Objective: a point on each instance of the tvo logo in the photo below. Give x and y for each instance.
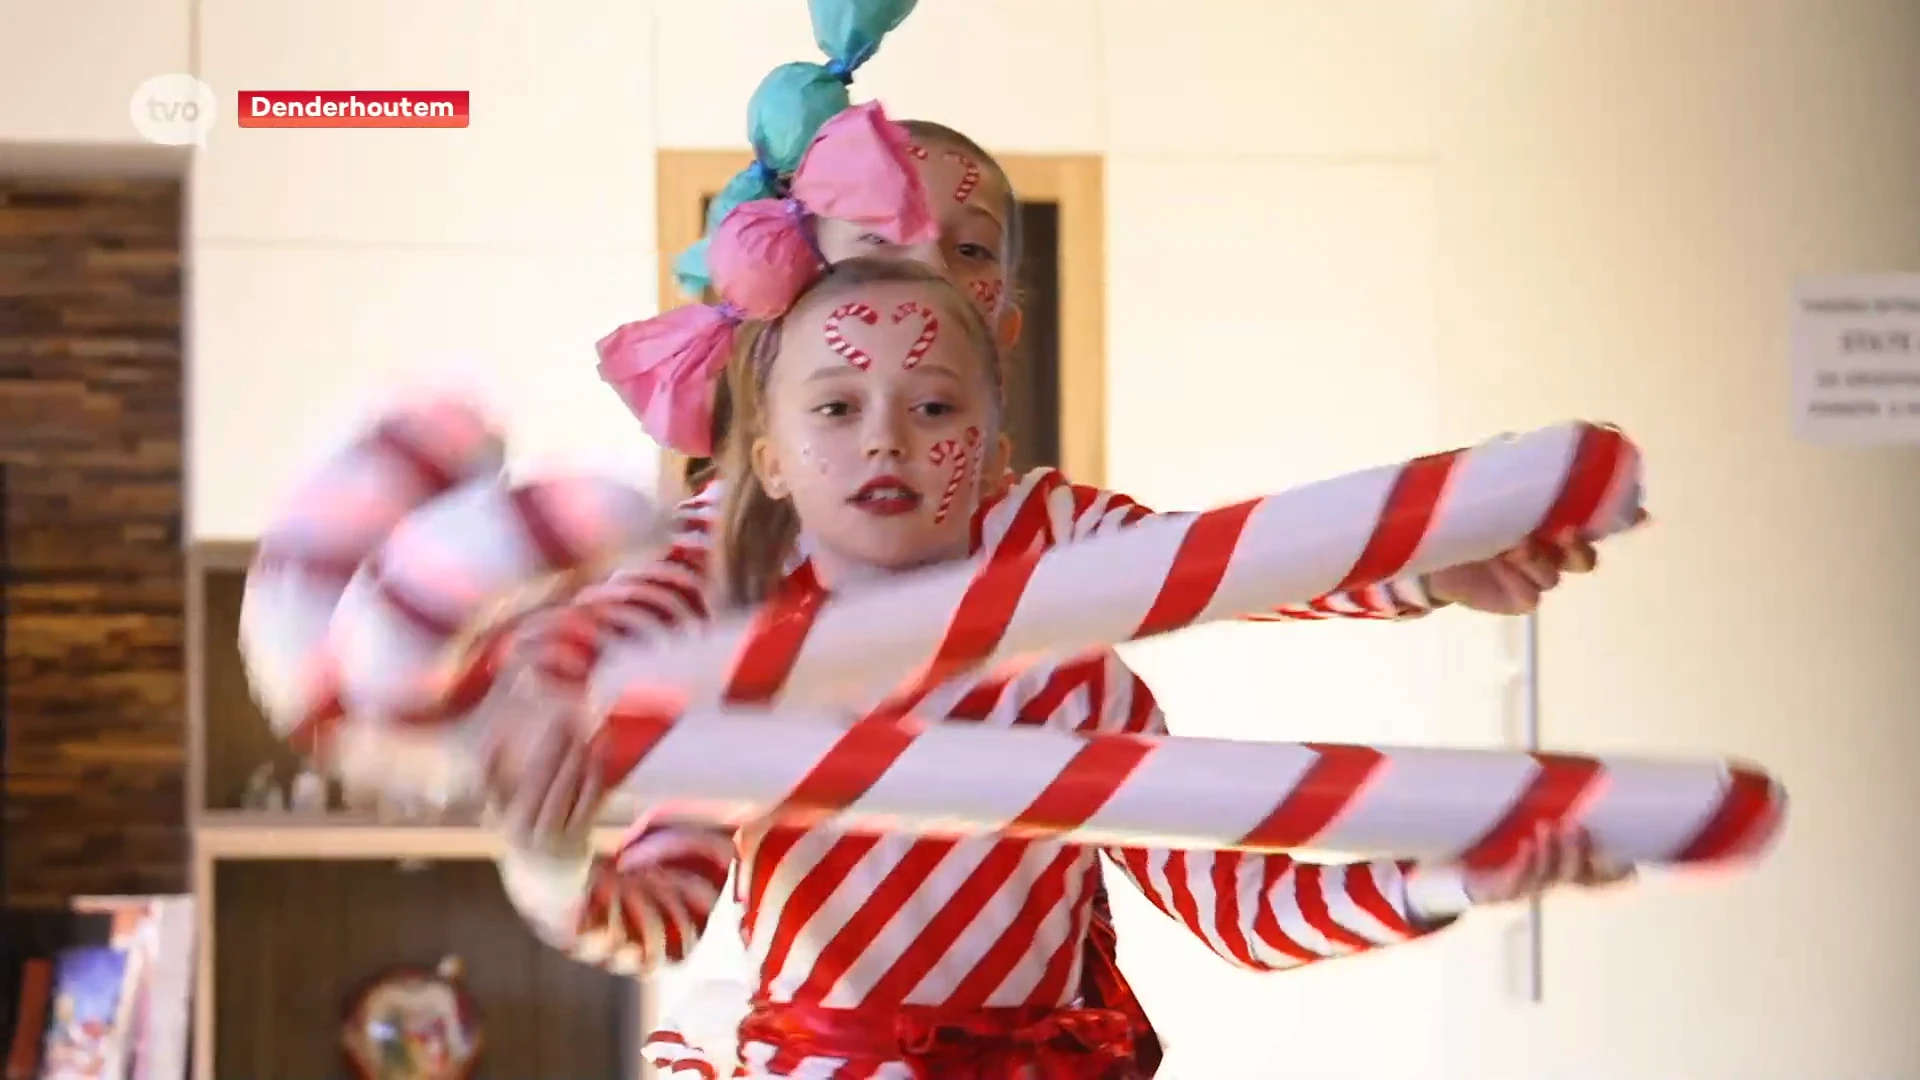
(173, 110)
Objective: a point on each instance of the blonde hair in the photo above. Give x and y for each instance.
(756, 531)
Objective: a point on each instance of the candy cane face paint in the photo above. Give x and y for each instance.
(961, 457)
(969, 200)
(968, 181)
(986, 292)
(880, 407)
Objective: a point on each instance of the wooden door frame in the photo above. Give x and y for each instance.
(1074, 182)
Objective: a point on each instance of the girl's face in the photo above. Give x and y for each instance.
(880, 423)
(969, 203)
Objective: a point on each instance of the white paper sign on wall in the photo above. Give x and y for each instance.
(1856, 358)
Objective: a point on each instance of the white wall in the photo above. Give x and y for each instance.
(1339, 233)
(329, 265)
(68, 70)
(1624, 194)
(1271, 322)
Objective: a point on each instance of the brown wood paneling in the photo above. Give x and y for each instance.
(90, 427)
(295, 940)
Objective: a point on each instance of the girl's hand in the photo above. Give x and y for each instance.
(544, 790)
(542, 785)
(1549, 859)
(1512, 584)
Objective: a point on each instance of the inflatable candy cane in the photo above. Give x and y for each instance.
(1155, 577)
(738, 765)
(444, 566)
(444, 573)
(350, 540)
(335, 520)
(1162, 575)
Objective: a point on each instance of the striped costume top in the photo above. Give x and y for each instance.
(845, 920)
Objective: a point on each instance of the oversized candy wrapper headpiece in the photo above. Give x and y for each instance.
(789, 107)
(764, 258)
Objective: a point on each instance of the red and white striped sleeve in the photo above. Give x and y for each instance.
(1077, 511)
(648, 903)
(645, 905)
(1272, 912)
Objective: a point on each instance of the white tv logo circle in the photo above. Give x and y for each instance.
(173, 110)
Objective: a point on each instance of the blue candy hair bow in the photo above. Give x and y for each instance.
(789, 106)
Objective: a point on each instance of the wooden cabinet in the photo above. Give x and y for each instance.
(297, 912)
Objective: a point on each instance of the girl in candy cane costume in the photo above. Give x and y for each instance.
(897, 956)
(977, 248)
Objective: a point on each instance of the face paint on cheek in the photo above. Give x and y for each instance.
(929, 330)
(987, 291)
(809, 457)
(917, 152)
(965, 457)
(837, 342)
(969, 175)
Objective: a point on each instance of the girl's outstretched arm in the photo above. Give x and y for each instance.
(1271, 912)
(647, 903)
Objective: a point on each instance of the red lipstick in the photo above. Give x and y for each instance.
(886, 496)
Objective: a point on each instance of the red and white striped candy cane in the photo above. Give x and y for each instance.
(673, 1055)
(963, 456)
(929, 330)
(809, 767)
(446, 570)
(1162, 575)
(337, 517)
(837, 341)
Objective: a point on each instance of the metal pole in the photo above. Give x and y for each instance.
(1530, 735)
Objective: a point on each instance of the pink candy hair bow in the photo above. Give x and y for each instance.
(764, 258)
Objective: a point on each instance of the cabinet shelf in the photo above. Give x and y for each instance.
(233, 835)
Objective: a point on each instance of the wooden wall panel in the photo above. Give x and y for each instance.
(90, 427)
(295, 940)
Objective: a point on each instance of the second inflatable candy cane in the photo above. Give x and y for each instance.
(739, 765)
